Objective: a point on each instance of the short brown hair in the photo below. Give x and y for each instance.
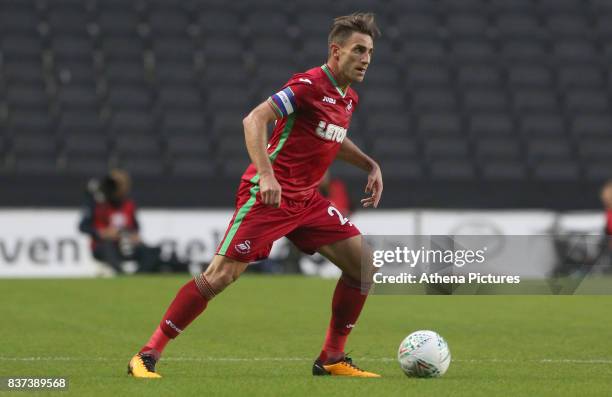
(343, 27)
(122, 179)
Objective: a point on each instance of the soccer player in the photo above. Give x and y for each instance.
(278, 196)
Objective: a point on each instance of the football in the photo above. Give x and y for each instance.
(424, 354)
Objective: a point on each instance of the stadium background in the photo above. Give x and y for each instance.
(469, 106)
(487, 116)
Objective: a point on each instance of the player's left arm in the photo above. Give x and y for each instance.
(350, 153)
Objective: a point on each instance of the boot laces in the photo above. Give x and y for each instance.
(349, 361)
(148, 361)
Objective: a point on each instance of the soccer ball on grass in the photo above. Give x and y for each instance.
(424, 354)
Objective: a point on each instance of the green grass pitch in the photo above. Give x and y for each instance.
(261, 336)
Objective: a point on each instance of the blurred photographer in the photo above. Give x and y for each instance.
(109, 218)
(606, 199)
(334, 189)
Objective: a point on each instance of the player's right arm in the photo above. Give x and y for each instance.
(256, 137)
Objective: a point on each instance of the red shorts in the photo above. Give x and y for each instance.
(309, 224)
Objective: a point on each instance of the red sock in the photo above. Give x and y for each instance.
(346, 306)
(156, 344)
(186, 306)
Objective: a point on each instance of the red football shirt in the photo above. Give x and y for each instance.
(315, 115)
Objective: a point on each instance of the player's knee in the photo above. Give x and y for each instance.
(228, 276)
(360, 272)
(220, 274)
(360, 283)
(220, 279)
(355, 269)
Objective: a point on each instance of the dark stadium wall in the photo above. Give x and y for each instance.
(154, 192)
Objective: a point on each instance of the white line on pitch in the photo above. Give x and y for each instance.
(298, 359)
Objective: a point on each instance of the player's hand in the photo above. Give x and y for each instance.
(270, 190)
(110, 233)
(374, 187)
(135, 238)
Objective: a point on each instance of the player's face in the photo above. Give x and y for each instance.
(123, 188)
(606, 196)
(354, 56)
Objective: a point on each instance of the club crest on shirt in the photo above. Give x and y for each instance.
(349, 107)
(243, 247)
